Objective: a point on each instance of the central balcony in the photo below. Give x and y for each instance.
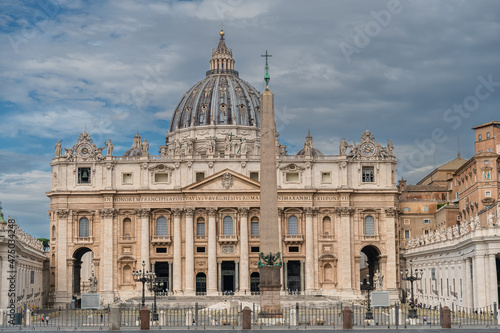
(228, 239)
(161, 239)
(294, 239)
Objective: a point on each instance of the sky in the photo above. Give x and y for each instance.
(421, 73)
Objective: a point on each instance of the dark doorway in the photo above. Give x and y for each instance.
(227, 271)
(77, 265)
(254, 283)
(495, 297)
(162, 273)
(201, 284)
(369, 263)
(293, 276)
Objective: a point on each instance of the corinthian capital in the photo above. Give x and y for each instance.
(189, 212)
(308, 210)
(143, 212)
(62, 213)
(108, 212)
(243, 210)
(344, 211)
(391, 211)
(177, 211)
(212, 211)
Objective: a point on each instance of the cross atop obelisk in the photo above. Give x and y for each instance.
(269, 258)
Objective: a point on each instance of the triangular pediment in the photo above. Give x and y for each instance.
(225, 180)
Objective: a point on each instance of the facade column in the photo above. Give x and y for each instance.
(244, 267)
(177, 273)
(469, 291)
(285, 275)
(390, 273)
(302, 277)
(170, 274)
(189, 274)
(107, 216)
(309, 249)
(219, 273)
(236, 278)
(463, 286)
(479, 280)
(143, 214)
(212, 253)
(493, 285)
(280, 235)
(62, 294)
(345, 248)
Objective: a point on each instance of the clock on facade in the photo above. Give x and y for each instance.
(368, 149)
(84, 150)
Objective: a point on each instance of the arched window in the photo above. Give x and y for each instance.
(127, 274)
(254, 226)
(293, 225)
(369, 226)
(327, 225)
(200, 226)
(83, 227)
(127, 227)
(328, 273)
(161, 226)
(227, 225)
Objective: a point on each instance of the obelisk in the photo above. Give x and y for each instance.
(269, 257)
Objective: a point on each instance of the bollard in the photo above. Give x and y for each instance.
(446, 321)
(347, 318)
(145, 318)
(27, 317)
(247, 318)
(114, 317)
(293, 317)
(189, 318)
(162, 318)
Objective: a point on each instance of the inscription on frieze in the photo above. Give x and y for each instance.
(197, 198)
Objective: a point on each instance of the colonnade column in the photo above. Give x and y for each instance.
(479, 282)
(285, 275)
(143, 214)
(107, 216)
(177, 273)
(170, 270)
(244, 265)
(212, 253)
(219, 273)
(61, 292)
(492, 263)
(468, 291)
(189, 273)
(309, 249)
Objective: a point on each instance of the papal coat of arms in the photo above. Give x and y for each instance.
(227, 180)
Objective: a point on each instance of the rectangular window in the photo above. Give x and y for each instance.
(161, 250)
(426, 221)
(127, 178)
(487, 193)
(32, 277)
(84, 176)
(368, 174)
(426, 209)
(406, 209)
(200, 249)
(254, 228)
(433, 274)
(487, 135)
(479, 137)
(200, 176)
(326, 177)
(255, 249)
(292, 177)
(407, 234)
(406, 221)
(426, 232)
(293, 249)
(254, 176)
(200, 228)
(161, 177)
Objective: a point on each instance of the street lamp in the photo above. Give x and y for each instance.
(143, 276)
(412, 276)
(365, 285)
(155, 286)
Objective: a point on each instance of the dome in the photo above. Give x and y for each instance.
(136, 150)
(221, 98)
(309, 149)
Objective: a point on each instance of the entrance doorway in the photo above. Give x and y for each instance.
(162, 272)
(293, 276)
(201, 284)
(228, 272)
(369, 263)
(254, 283)
(82, 270)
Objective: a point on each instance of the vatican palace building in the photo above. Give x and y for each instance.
(191, 211)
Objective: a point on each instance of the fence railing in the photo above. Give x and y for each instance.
(394, 316)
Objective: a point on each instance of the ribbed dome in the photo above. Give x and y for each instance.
(222, 98)
(309, 149)
(136, 150)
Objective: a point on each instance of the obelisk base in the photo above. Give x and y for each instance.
(270, 302)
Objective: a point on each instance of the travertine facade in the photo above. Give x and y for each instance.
(192, 212)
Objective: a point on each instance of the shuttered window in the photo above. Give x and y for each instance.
(369, 226)
(161, 226)
(83, 227)
(293, 225)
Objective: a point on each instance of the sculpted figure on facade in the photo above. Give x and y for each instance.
(58, 148)
(109, 148)
(378, 280)
(145, 147)
(343, 147)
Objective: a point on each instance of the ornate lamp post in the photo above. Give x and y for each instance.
(365, 285)
(144, 277)
(155, 286)
(412, 276)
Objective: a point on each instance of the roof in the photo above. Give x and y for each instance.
(453, 164)
(487, 124)
(426, 188)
